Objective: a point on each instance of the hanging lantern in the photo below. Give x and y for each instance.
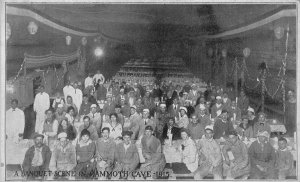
(246, 52)
(32, 28)
(279, 32)
(68, 39)
(210, 52)
(8, 31)
(83, 41)
(224, 53)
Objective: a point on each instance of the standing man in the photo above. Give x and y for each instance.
(15, 122)
(68, 90)
(77, 96)
(40, 105)
(98, 78)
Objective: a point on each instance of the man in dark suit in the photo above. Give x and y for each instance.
(169, 128)
(174, 108)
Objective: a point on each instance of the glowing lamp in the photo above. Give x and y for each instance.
(98, 52)
(68, 39)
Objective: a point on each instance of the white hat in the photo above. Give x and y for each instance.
(62, 135)
(93, 105)
(163, 105)
(202, 107)
(146, 110)
(209, 127)
(122, 90)
(218, 97)
(133, 107)
(251, 110)
(185, 93)
(60, 105)
(193, 85)
(263, 133)
(183, 108)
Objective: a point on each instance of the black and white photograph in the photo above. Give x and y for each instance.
(149, 90)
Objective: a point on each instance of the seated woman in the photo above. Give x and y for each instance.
(127, 157)
(114, 126)
(171, 130)
(70, 115)
(85, 152)
(151, 149)
(244, 129)
(189, 155)
(67, 128)
(239, 166)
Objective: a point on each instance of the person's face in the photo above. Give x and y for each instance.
(147, 94)
(207, 104)
(59, 110)
(182, 112)
(109, 99)
(14, 105)
(202, 100)
(42, 89)
(139, 101)
(242, 94)
(262, 139)
(171, 122)
(156, 99)
(75, 85)
(118, 110)
(63, 141)
(132, 111)
(184, 135)
(93, 110)
(208, 134)
(148, 133)
(69, 100)
(64, 124)
(261, 118)
(224, 116)
(233, 104)
(194, 119)
(232, 138)
(57, 95)
(38, 141)
(126, 139)
(249, 113)
(85, 138)
(49, 115)
(122, 102)
(105, 134)
(71, 112)
(86, 122)
(282, 145)
(113, 118)
(202, 111)
(219, 101)
(163, 109)
(85, 99)
(145, 114)
(245, 121)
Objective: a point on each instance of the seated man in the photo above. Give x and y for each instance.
(195, 128)
(105, 153)
(210, 156)
(87, 124)
(239, 166)
(262, 158)
(285, 161)
(261, 125)
(151, 149)
(127, 157)
(63, 157)
(222, 126)
(37, 158)
(170, 130)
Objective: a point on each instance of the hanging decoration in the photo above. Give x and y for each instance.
(32, 28)
(279, 32)
(68, 40)
(83, 41)
(8, 31)
(246, 52)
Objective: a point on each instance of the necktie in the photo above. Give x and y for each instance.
(175, 107)
(145, 120)
(93, 115)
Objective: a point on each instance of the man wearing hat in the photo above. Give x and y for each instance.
(195, 128)
(146, 121)
(183, 119)
(152, 152)
(239, 165)
(134, 120)
(251, 116)
(222, 126)
(202, 116)
(127, 156)
(37, 157)
(174, 108)
(216, 109)
(60, 113)
(262, 124)
(120, 96)
(109, 106)
(210, 156)
(162, 118)
(95, 117)
(262, 158)
(64, 155)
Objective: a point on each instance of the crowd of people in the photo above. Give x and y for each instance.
(100, 126)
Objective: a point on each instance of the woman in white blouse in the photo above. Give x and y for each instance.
(114, 125)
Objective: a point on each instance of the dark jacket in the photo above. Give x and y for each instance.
(175, 131)
(46, 154)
